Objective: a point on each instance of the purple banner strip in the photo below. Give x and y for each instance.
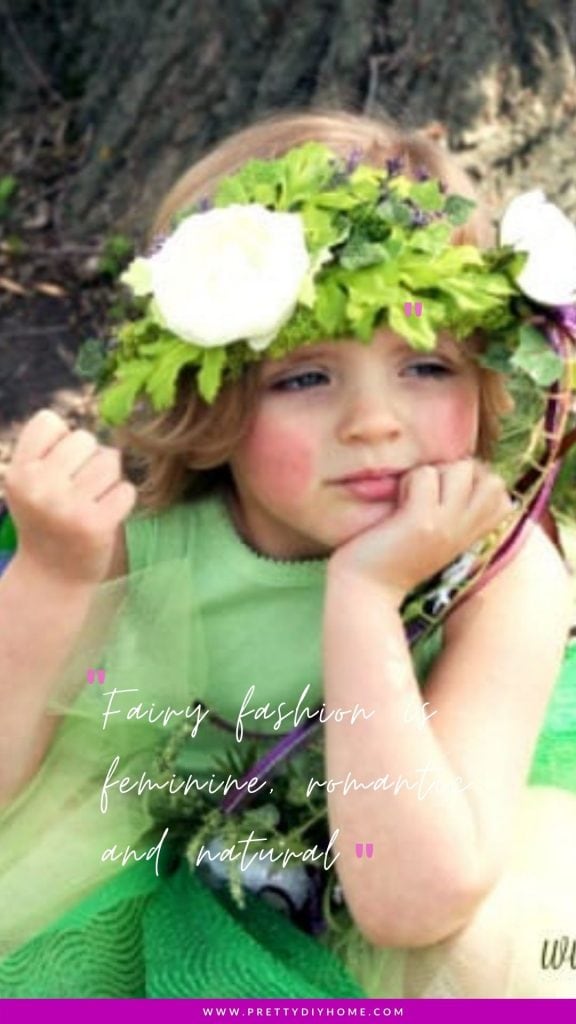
(413, 1011)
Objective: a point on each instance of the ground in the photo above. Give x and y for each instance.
(54, 293)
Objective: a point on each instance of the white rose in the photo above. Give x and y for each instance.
(532, 224)
(230, 274)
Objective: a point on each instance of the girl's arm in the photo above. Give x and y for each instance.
(68, 500)
(40, 617)
(441, 828)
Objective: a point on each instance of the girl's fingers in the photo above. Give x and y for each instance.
(39, 436)
(457, 480)
(422, 487)
(119, 501)
(490, 503)
(70, 454)
(101, 472)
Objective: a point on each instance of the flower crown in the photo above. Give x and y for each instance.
(311, 247)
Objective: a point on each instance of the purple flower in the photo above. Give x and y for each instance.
(419, 219)
(566, 317)
(353, 159)
(394, 166)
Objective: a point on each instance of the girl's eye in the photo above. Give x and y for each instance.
(428, 369)
(299, 381)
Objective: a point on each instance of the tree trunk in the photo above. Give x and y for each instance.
(146, 86)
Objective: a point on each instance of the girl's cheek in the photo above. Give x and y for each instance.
(280, 459)
(452, 427)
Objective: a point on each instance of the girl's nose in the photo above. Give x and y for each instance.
(371, 415)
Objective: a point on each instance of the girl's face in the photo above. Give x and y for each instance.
(334, 409)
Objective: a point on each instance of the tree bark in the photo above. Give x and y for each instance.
(146, 86)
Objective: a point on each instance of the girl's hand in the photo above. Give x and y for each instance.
(442, 510)
(67, 497)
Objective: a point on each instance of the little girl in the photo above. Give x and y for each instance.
(309, 401)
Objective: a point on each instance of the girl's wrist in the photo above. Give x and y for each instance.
(353, 579)
(39, 576)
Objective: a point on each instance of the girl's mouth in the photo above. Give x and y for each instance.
(379, 489)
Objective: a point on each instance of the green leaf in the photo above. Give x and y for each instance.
(431, 239)
(258, 181)
(395, 212)
(118, 399)
(337, 201)
(458, 209)
(322, 228)
(454, 259)
(151, 349)
(535, 356)
(366, 183)
(91, 359)
(161, 383)
(360, 253)
(416, 329)
(133, 335)
(117, 251)
(306, 170)
(465, 293)
(362, 321)
(427, 195)
(496, 357)
(330, 309)
(506, 261)
(211, 372)
(138, 277)
(372, 286)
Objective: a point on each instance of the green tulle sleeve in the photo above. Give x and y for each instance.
(144, 631)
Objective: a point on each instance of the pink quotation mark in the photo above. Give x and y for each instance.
(96, 673)
(360, 849)
(417, 308)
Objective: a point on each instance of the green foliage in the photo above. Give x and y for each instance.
(518, 427)
(91, 359)
(376, 240)
(536, 358)
(564, 494)
(8, 188)
(211, 372)
(118, 250)
(8, 535)
(288, 819)
(147, 362)
(458, 209)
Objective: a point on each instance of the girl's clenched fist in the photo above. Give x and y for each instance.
(67, 497)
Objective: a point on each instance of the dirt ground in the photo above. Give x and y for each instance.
(54, 294)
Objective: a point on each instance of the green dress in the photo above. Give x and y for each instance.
(200, 618)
